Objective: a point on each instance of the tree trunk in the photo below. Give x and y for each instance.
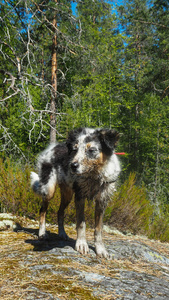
(54, 85)
(156, 185)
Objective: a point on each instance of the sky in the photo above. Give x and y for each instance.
(115, 3)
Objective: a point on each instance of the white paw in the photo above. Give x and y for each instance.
(101, 251)
(43, 236)
(81, 246)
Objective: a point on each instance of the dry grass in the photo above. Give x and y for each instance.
(22, 271)
(17, 276)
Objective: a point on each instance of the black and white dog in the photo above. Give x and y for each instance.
(84, 165)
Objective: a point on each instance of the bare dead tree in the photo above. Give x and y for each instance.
(22, 78)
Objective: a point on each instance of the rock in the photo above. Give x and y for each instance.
(33, 269)
(7, 221)
(6, 216)
(111, 230)
(136, 250)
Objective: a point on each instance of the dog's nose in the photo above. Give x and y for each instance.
(74, 166)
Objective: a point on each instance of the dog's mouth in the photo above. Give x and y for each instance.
(78, 173)
(77, 170)
(82, 175)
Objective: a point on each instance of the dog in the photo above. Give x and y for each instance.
(84, 165)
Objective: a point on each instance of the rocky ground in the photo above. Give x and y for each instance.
(31, 269)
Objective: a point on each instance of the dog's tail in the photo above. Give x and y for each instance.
(35, 182)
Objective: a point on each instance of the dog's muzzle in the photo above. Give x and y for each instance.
(74, 166)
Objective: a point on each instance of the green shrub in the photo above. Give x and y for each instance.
(15, 194)
(17, 197)
(159, 229)
(130, 210)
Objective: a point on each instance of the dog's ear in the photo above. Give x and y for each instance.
(108, 139)
(72, 138)
(69, 146)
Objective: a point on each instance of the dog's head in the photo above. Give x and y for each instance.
(89, 149)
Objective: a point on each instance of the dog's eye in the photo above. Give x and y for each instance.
(92, 149)
(75, 148)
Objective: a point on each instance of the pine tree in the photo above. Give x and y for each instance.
(145, 67)
(97, 80)
(53, 81)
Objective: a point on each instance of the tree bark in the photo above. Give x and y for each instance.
(54, 84)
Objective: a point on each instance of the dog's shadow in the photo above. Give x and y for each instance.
(53, 240)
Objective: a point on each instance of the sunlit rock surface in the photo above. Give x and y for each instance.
(32, 269)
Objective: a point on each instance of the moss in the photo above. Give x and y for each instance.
(66, 287)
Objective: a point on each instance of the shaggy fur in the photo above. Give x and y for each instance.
(84, 165)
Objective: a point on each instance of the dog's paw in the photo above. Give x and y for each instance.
(63, 235)
(101, 251)
(81, 246)
(44, 236)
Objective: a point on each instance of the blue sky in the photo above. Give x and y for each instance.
(115, 3)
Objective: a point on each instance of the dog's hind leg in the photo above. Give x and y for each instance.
(81, 243)
(99, 245)
(66, 197)
(48, 193)
(42, 222)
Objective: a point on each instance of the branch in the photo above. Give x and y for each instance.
(160, 91)
(13, 51)
(152, 23)
(7, 135)
(47, 111)
(12, 78)
(54, 27)
(163, 95)
(10, 96)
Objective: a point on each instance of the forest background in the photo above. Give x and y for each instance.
(65, 64)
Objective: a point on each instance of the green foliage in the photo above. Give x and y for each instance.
(130, 209)
(17, 197)
(159, 229)
(112, 72)
(15, 194)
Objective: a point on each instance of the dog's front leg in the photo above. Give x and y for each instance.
(66, 196)
(99, 245)
(81, 243)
